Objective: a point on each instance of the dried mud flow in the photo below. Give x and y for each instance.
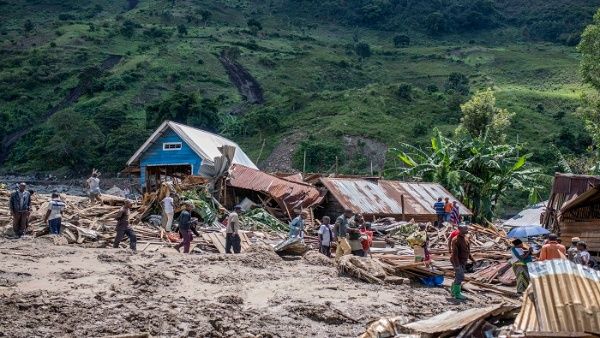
(53, 290)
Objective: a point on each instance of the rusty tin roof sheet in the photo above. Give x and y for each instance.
(383, 197)
(562, 297)
(286, 193)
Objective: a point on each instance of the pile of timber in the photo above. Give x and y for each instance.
(482, 239)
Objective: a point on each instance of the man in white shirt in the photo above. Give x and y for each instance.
(54, 214)
(232, 237)
(169, 210)
(326, 236)
(94, 186)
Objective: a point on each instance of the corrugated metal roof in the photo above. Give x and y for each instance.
(529, 216)
(204, 143)
(289, 195)
(562, 297)
(383, 197)
(450, 321)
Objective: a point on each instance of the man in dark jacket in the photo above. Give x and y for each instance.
(461, 253)
(123, 227)
(20, 206)
(185, 228)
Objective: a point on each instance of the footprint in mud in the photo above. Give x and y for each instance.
(74, 273)
(319, 313)
(113, 258)
(8, 279)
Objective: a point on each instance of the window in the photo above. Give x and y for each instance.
(172, 146)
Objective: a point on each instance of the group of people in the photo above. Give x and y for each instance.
(350, 232)
(447, 212)
(552, 249)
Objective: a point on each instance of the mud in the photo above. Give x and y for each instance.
(49, 290)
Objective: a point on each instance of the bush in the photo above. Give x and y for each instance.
(320, 155)
(182, 30)
(266, 62)
(66, 16)
(362, 49)
(266, 120)
(435, 23)
(404, 91)
(255, 26)
(157, 33)
(459, 83)
(401, 40)
(28, 26)
(432, 88)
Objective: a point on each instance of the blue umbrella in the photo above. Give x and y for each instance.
(527, 231)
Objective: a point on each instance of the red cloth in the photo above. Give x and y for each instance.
(454, 233)
(366, 243)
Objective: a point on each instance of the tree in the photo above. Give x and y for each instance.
(482, 118)
(404, 91)
(458, 82)
(182, 30)
(435, 23)
(205, 16)
(255, 26)
(363, 50)
(184, 108)
(128, 28)
(590, 110)
(28, 26)
(401, 40)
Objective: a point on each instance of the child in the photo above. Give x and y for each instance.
(326, 236)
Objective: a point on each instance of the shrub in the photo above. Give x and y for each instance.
(404, 91)
(362, 49)
(320, 155)
(401, 40)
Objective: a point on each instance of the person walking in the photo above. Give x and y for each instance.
(552, 249)
(298, 225)
(340, 230)
(185, 228)
(455, 216)
(461, 253)
(325, 236)
(20, 207)
(439, 211)
(232, 236)
(124, 228)
(53, 216)
(519, 260)
(93, 184)
(169, 211)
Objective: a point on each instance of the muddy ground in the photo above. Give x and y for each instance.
(53, 290)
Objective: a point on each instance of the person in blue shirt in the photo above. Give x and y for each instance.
(440, 212)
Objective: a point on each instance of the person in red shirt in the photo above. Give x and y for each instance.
(452, 235)
(461, 253)
(366, 238)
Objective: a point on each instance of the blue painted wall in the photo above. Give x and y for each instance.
(155, 155)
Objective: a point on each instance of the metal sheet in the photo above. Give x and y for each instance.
(453, 320)
(383, 197)
(527, 217)
(563, 297)
(288, 194)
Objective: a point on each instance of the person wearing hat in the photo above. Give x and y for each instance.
(232, 236)
(582, 257)
(20, 207)
(519, 260)
(461, 253)
(572, 250)
(298, 224)
(340, 230)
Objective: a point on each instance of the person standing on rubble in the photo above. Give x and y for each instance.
(93, 184)
(455, 214)
(124, 228)
(53, 216)
(185, 228)
(519, 260)
(552, 249)
(439, 211)
(20, 207)
(583, 256)
(325, 236)
(461, 253)
(169, 210)
(447, 209)
(341, 233)
(572, 250)
(232, 236)
(298, 225)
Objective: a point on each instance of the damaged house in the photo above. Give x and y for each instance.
(178, 150)
(378, 198)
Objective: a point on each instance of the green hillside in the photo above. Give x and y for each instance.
(339, 78)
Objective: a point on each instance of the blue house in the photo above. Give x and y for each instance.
(176, 150)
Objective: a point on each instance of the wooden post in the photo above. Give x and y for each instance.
(304, 164)
(371, 168)
(402, 205)
(336, 165)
